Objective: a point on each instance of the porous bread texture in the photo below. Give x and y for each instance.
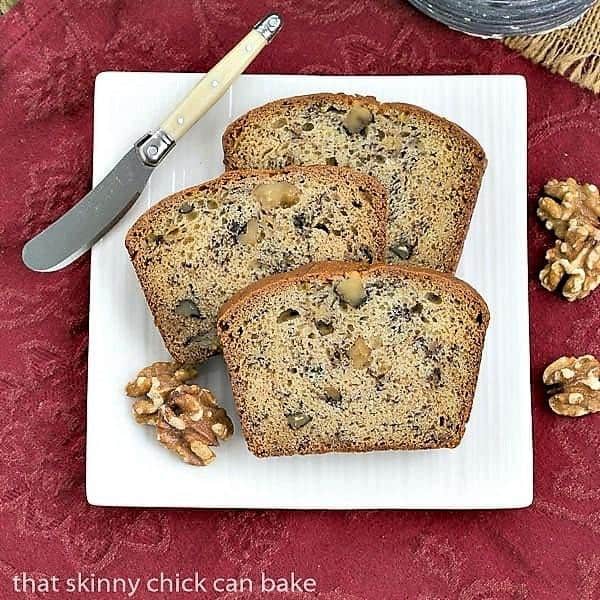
(431, 167)
(194, 249)
(348, 357)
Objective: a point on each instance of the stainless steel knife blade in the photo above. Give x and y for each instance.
(77, 231)
(82, 226)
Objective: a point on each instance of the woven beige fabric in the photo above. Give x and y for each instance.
(6, 5)
(573, 52)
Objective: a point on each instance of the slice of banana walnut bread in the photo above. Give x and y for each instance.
(431, 167)
(348, 357)
(194, 249)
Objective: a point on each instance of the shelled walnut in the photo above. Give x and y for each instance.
(572, 211)
(190, 421)
(574, 385)
(152, 386)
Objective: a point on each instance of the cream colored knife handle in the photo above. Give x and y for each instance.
(217, 81)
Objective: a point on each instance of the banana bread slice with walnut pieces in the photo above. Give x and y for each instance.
(348, 357)
(194, 249)
(431, 167)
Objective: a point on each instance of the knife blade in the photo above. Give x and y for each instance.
(98, 211)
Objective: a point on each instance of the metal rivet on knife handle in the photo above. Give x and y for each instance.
(153, 147)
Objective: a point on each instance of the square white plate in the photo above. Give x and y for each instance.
(492, 468)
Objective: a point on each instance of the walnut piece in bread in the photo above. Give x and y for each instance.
(572, 211)
(574, 385)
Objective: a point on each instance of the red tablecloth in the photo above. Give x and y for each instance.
(49, 55)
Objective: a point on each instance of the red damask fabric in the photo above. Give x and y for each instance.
(49, 55)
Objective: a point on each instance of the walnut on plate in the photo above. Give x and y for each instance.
(572, 211)
(190, 421)
(574, 385)
(153, 385)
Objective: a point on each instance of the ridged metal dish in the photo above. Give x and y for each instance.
(500, 18)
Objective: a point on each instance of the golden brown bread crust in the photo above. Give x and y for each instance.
(254, 294)
(470, 185)
(135, 240)
(338, 267)
(231, 132)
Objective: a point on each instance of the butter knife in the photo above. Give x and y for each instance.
(96, 213)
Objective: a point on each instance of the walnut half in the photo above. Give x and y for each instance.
(574, 385)
(153, 385)
(190, 422)
(572, 211)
